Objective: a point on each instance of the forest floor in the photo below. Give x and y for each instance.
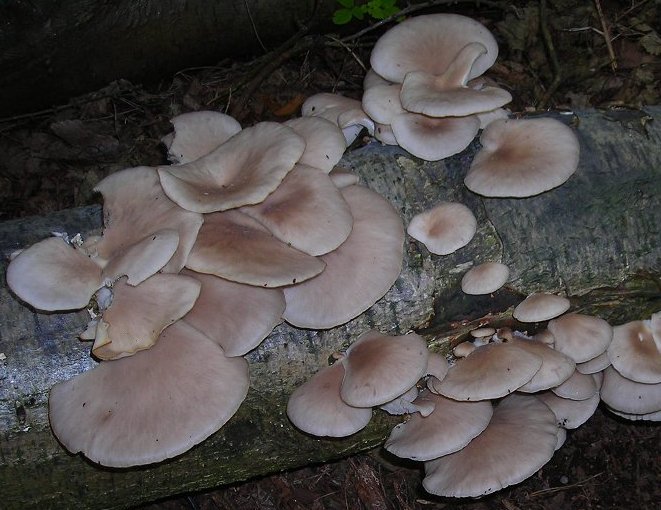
(560, 57)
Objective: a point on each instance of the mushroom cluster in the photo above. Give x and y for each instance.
(197, 263)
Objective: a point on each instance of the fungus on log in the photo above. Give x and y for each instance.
(596, 237)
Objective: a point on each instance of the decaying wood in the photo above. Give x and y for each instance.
(597, 238)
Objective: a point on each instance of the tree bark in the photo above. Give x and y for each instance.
(51, 51)
(596, 239)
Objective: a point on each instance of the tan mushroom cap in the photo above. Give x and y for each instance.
(53, 275)
(315, 407)
(135, 206)
(437, 366)
(378, 367)
(519, 440)
(490, 371)
(464, 349)
(634, 354)
(485, 278)
(234, 246)
(431, 138)
(655, 326)
(594, 365)
(196, 134)
(151, 406)
(242, 171)
(538, 307)
(523, 157)
(577, 387)
(138, 315)
(408, 403)
(382, 102)
(307, 211)
(449, 428)
(581, 337)
(358, 273)
(448, 94)
(445, 228)
(324, 142)
(430, 43)
(629, 396)
(570, 414)
(234, 315)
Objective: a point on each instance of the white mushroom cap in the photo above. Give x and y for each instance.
(570, 414)
(138, 315)
(53, 275)
(383, 133)
(490, 371)
(628, 396)
(581, 337)
(485, 278)
(633, 352)
(242, 171)
(382, 102)
(538, 307)
(345, 112)
(324, 142)
(343, 177)
(372, 79)
(449, 428)
(445, 228)
(432, 138)
(430, 43)
(315, 407)
(151, 406)
(519, 440)
(197, 134)
(358, 273)
(523, 157)
(234, 246)
(378, 368)
(234, 315)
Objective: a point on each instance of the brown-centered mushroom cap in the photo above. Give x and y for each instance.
(307, 211)
(242, 171)
(430, 43)
(197, 134)
(234, 315)
(378, 368)
(519, 440)
(138, 315)
(445, 228)
(450, 427)
(581, 337)
(151, 406)
(358, 273)
(634, 354)
(53, 275)
(485, 278)
(523, 157)
(539, 306)
(315, 407)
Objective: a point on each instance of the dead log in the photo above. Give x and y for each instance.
(597, 238)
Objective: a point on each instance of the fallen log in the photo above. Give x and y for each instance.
(597, 239)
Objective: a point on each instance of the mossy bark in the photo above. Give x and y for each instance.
(596, 239)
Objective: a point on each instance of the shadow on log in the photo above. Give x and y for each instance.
(596, 238)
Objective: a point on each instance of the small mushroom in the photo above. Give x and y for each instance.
(444, 228)
(538, 307)
(485, 278)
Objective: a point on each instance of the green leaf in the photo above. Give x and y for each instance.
(358, 12)
(652, 43)
(342, 16)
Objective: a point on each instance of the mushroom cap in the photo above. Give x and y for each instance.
(345, 112)
(555, 370)
(234, 246)
(241, 171)
(490, 371)
(234, 315)
(634, 354)
(577, 387)
(430, 43)
(324, 142)
(581, 337)
(445, 228)
(383, 133)
(379, 368)
(539, 306)
(307, 211)
(138, 315)
(485, 278)
(134, 207)
(450, 427)
(655, 326)
(594, 365)
(382, 102)
(629, 396)
(315, 407)
(432, 138)
(519, 440)
(53, 275)
(151, 406)
(409, 403)
(372, 79)
(197, 134)
(343, 177)
(358, 273)
(570, 414)
(523, 157)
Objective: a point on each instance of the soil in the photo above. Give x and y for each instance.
(559, 57)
